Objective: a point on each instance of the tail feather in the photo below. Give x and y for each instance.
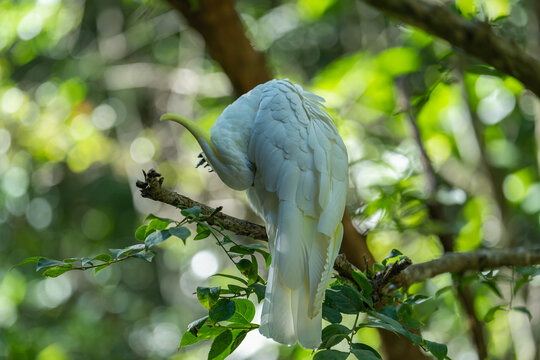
(277, 316)
(294, 314)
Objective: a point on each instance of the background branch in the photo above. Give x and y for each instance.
(475, 38)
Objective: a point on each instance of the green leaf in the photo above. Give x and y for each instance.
(417, 299)
(194, 326)
(157, 237)
(493, 287)
(490, 315)
(363, 282)
(259, 290)
(117, 253)
(405, 313)
(253, 272)
(86, 261)
(521, 282)
(208, 296)
(238, 339)
(43, 263)
(162, 219)
(235, 289)
(239, 249)
(156, 224)
(244, 311)
(220, 344)
(203, 231)
(345, 299)
(222, 310)
(364, 352)
(180, 232)
(331, 355)
(209, 332)
(99, 268)
(140, 233)
(244, 266)
(333, 334)
(444, 289)
(378, 267)
(394, 253)
(57, 270)
(147, 255)
(331, 315)
(388, 323)
(438, 350)
(523, 310)
(231, 277)
(483, 70)
(102, 257)
(30, 260)
(193, 212)
(72, 260)
(204, 333)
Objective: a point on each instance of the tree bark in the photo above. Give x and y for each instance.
(475, 38)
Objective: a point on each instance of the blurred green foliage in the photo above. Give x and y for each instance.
(82, 84)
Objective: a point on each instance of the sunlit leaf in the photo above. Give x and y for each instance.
(208, 296)
(203, 231)
(490, 315)
(232, 277)
(102, 257)
(57, 270)
(394, 253)
(140, 233)
(244, 311)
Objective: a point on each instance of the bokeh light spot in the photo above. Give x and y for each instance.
(514, 188)
(39, 213)
(15, 181)
(142, 150)
(12, 100)
(5, 140)
(30, 26)
(104, 117)
(204, 264)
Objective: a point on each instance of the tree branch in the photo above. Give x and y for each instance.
(151, 189)
(404, 276)
(475, 38)
(474, 260)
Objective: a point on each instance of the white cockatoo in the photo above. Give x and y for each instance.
(277, 143)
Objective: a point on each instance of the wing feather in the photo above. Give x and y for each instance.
(299, 188)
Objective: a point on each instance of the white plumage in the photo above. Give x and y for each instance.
(279, 144)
